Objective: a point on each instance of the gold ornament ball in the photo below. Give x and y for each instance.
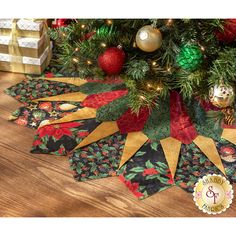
(222, 95)
(148, 38)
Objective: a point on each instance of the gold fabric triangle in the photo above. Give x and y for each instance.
(207, 146)
(171, 148)
(104, 130)
(68, 97)
(134, 141)
(230, 135)
(68, 80)
(82, 114)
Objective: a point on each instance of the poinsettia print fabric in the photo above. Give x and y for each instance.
(98, 160)
(33, 88)
(33, 114)
(60, 139)
(147, 172)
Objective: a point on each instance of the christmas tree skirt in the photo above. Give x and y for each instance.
(149, 151)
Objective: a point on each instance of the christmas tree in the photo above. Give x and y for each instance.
(153, 57)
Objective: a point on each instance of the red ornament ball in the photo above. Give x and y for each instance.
(228, 35)
(112, 61)
(57, 23)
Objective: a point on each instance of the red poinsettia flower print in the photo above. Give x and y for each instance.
(61, 132)
(133, 187)
(150, 171)
(171, 180)
(61, 151)
(83, 134)
(49, 75)
(37, 142)
(58, 130)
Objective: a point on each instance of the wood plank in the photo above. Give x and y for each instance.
(42, 185)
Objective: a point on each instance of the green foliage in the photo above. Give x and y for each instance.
(137, 69)
(190, 84)
(78, 46)
(224, 67)
(141, 98)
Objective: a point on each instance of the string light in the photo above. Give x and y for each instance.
(63, 34)
(89, 62)
(103, 45)
(83, 26)
(142, 97)
(159, 88)
(169, 69)
(109, 22)
(154, 63)
(76, 49)
(202, 48)
(75, 60)
(169, 22)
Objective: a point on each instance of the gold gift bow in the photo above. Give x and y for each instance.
(14, 51)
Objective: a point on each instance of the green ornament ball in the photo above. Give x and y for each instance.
(190, 57)
(105, 31)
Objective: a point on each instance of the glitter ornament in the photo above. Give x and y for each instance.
(190, 57)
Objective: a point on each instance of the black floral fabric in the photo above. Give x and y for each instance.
(33, 88)
(192, 165)
(145, 174)
(147, 171)
(98, 160)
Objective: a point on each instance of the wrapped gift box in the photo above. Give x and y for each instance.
(28, 65)
(28, 47)
(25, 28)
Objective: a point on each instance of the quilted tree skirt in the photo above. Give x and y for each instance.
(89, 122)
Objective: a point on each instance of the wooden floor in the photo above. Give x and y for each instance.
(42, 185)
